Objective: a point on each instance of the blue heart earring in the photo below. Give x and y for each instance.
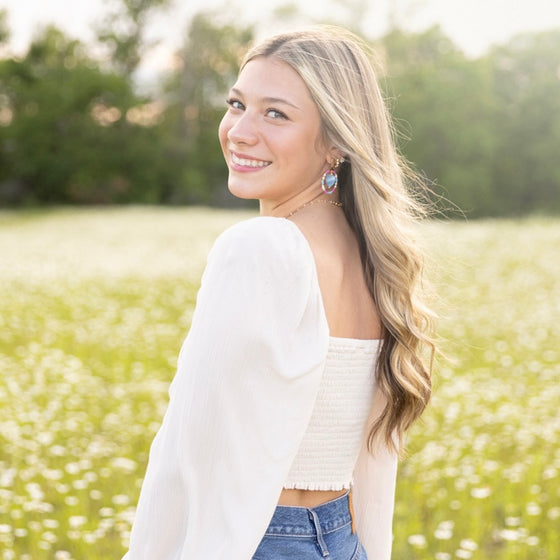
(329, 181)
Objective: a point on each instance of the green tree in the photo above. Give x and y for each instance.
(65, 136)
(4, 29)
(123, 32)
(527, 83)
(195, 93)
(444, 105)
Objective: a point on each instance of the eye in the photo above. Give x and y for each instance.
(276, 115)
(235, 104)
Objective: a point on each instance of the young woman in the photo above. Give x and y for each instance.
(304, 364)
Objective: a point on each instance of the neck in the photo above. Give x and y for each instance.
(281, 208)
(316, 200)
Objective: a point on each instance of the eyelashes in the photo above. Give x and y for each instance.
(272, 113)
(278, 115)
(235, 103)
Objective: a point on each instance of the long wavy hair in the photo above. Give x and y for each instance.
(375, 189)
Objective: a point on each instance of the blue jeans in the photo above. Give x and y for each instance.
(325, 531)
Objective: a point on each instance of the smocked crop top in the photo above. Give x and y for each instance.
(328, 452)
(262, 397)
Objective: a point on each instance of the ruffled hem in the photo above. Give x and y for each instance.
(317, 485)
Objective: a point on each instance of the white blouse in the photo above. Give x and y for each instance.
(247, 379)
(328, 451)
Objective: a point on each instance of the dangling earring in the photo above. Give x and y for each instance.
(329, 181)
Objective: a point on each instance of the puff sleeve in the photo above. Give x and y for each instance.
(373, 493)
(242, 396)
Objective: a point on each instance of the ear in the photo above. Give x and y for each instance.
(334, 154)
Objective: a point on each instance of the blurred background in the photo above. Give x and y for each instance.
(118, 101)
(109, 160)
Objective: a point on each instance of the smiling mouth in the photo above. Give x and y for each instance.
(256, 163)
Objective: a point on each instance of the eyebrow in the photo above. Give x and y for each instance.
(272, 100)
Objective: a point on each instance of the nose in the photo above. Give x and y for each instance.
(243, 130)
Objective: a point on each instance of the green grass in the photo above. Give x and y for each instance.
(95, 304)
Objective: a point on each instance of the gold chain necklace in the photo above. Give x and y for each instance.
(331, 202)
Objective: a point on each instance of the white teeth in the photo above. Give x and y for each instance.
(248, 162)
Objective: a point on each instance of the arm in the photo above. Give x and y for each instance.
(244, 390)
(373, 494)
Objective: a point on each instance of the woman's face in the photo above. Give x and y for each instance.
(271, 136)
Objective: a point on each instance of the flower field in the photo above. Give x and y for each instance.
(93, 309)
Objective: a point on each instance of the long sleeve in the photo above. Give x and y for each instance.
(373, 493)
(247, 378)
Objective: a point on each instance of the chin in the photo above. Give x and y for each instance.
(240, 192)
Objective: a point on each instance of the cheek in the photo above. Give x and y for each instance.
(223, 130)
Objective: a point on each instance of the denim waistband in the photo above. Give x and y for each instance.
(302, 521)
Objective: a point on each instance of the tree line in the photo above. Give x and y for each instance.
(75, 128)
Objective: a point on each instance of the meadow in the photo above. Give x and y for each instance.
(94, 306)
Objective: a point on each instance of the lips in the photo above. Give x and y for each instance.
(245, 161)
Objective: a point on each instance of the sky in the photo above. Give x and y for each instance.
(473, 25)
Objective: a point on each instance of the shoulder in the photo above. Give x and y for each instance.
(268, 241)
(265, 265)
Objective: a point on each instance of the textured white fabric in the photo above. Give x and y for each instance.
(328, 452)
(247, 378)
(373, 494)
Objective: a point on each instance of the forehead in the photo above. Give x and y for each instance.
(269, 77)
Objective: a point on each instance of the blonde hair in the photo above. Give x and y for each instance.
(340, 77)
